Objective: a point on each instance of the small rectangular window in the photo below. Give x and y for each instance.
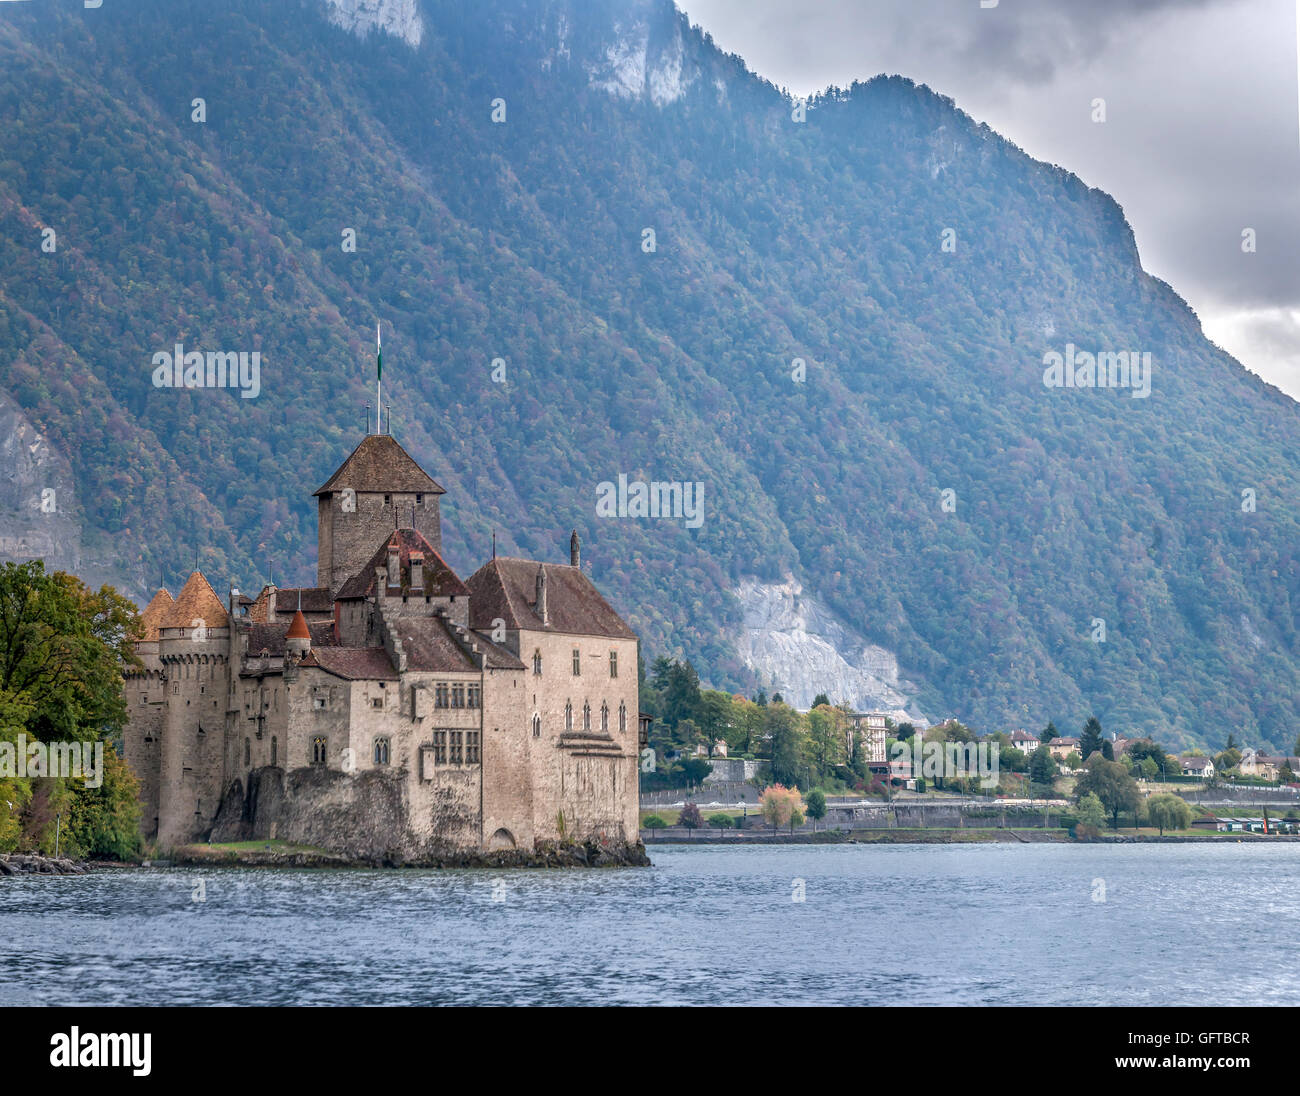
(471, 747)
(376, 701)
(457, 747)
(441, 695)
(473, 697)
(577, 662)
(440, 747)
(613, 664)
(458, 696)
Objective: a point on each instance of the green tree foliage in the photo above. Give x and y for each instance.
(63, 651)
(1042, 766)
(1169, 812)
(1090, 811)
(816, 805)
(1090, 741)
(1111, 783)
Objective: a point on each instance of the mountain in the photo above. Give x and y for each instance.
(893, 501)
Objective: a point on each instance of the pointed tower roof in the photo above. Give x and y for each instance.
(379, 464)
(196, 601)
(298, 629)
(155, 613)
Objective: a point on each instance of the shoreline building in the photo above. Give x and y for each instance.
(393, 709)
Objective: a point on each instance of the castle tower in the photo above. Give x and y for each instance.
(379, 488)
(194, 649)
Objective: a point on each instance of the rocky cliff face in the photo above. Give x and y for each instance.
(39, 510)
(36, 495)
(400, 18)
(799, 647)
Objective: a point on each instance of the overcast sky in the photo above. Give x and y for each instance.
(1202, 137)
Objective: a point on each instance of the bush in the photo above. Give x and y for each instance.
(654, 822)
(722, 821)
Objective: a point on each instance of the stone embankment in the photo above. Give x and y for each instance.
(588, 855)
(16, 864)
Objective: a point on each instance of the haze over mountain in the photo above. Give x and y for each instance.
(918, 522)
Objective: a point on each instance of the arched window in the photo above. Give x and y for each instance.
(381, 751)
(604, 717)
(586, 716)
(537, 662)
(568, 715)
(537, 725)
(318, 750)
(622, 718)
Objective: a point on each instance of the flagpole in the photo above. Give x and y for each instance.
(379, 381)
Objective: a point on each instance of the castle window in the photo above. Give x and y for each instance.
(318, 750)
(456, 752)
(537, 662)
(419, 500)
(176, 688)
(440, 747)
(318, 702)
(613, 664)
(441, 695)
(586, 716)
(622, 718)
(568, 715)
(248, 752)
(388, 499)
(143, 699)
(458, 696)
(274, 750)
(471, 747)
(376, 701)
(577, 662)
(537, 725)
(381, 751)
(604, 718)
(474, 696)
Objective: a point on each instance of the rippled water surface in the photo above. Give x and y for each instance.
(895, 924)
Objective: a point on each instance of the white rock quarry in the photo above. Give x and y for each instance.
(400, 18)
(800, 648)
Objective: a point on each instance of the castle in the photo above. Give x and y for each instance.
(392, 710)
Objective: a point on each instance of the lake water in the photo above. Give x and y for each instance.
(884, 924)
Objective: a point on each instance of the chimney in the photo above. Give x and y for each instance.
(540, 607)
(270, 604)
(394, 566)
(234, 602)
(381, 582)
(417, 572)
(575, 550)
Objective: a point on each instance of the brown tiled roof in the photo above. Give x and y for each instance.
(196, 601)
(430, 644)
(379, 464)
(353, 663)
(507, 589)
(298, 627)
(155, 613)
(316, 601)
(270, 637)
(439, 579)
